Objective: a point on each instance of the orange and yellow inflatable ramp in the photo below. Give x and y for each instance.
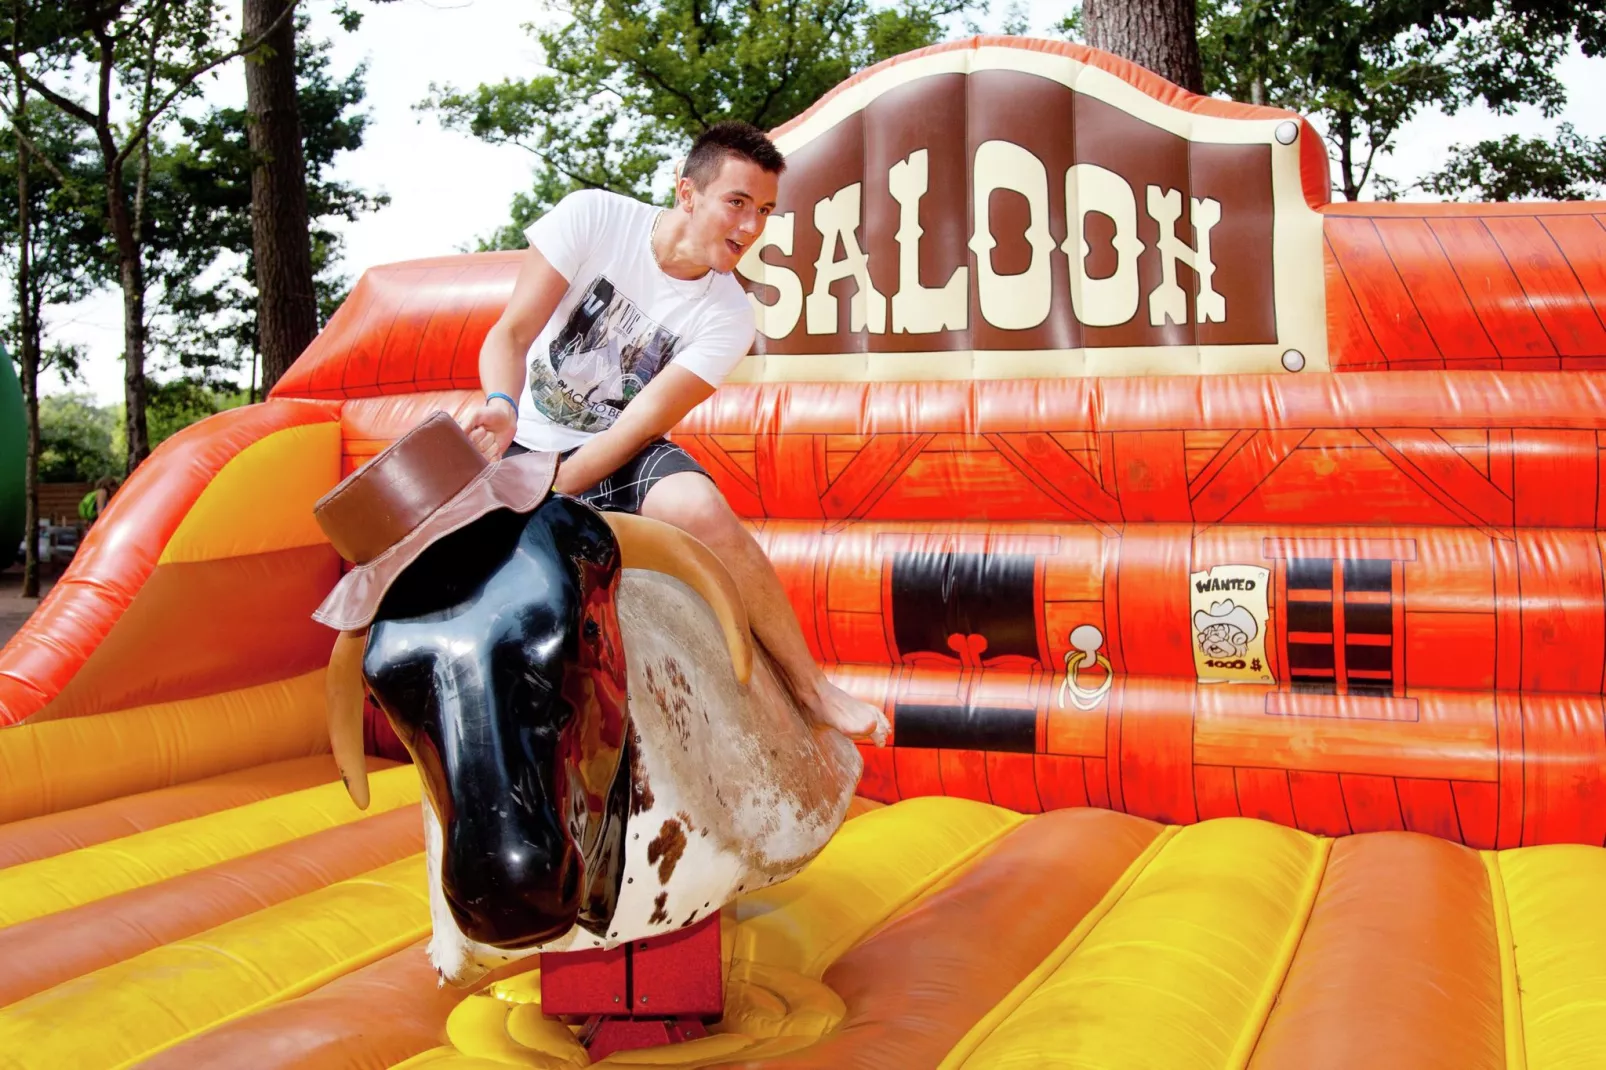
(1229, 563)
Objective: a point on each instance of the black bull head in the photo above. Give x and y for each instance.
(498, 659)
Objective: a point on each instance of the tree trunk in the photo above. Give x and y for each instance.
(1161, 35)
(1346, 156)
(30, 372)
(287, 305)
(131, 276)
(134, 386)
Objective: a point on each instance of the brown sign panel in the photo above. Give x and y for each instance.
(997, 209)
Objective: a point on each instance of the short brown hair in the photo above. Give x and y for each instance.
(730, 138)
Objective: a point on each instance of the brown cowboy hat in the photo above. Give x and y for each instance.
(429, 483)
(425, 485)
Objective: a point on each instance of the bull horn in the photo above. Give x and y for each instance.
(343, 696)
(651, 544)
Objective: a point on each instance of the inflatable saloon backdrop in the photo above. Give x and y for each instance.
(1229, 562)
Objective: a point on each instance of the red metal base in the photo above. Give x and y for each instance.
(641, 994)
(604, 1036)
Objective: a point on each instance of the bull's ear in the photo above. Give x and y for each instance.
(343, 692)
(659, 547)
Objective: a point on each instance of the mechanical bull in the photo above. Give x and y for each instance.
(606, 754)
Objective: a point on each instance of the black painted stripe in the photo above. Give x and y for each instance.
(1366, 574)
(995, 728)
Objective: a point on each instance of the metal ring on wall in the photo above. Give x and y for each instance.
(1084, 698)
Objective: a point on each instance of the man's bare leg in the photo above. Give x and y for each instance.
(691, 502)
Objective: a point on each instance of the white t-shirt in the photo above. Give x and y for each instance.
(621, 320)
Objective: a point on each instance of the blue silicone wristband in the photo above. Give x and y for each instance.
(504, 397)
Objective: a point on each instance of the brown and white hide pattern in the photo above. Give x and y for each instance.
(733, 788)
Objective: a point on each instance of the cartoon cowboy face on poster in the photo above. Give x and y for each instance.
(1230, 609)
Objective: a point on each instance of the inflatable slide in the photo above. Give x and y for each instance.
(1228, 561)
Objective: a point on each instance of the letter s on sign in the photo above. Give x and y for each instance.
(837, 218)
(779, 319)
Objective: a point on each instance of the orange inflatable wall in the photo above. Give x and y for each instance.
(1314, 534)
(1331, 556)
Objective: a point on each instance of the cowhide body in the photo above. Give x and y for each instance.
(732, 789)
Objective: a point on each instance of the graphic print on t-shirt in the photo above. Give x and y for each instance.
(607, 352)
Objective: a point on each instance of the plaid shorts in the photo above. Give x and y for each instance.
(626, 489)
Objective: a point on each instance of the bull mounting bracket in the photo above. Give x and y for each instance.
(641, 994)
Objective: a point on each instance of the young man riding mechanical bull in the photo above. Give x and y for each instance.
(635, 319)
(577, 797)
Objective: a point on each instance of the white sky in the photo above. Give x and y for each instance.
(447, 188)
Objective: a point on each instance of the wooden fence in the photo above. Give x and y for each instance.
(58, 502)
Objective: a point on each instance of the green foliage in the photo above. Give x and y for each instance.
(631, 82)
(1367, 67)
(349, 17)
(156, 53)
(70, 254)
(1070, 27)
(65, 359)
(176, 405)
(1566, 167)
(526, 209)
(202, 250)
(79, 441)
(120, 69)
(1017, 20)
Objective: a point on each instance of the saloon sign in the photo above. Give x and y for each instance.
(998, 212)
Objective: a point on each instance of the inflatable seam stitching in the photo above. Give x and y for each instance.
(1261, 1011)
(984, 1027)
(194, 844)
(1510, 993)
(934, 880)
(293, 991)
(426, 1058)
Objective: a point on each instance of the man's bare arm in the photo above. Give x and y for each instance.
(662, 404)
(536, 294)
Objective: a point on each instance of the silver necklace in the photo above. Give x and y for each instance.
(653, 249)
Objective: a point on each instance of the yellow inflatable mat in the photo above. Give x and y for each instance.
(936, 932)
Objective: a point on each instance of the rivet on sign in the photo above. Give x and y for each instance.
(1287, 132)
(616, 999)
(643, 999)
(1293, 360)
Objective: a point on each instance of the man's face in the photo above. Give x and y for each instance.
(728, 213)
